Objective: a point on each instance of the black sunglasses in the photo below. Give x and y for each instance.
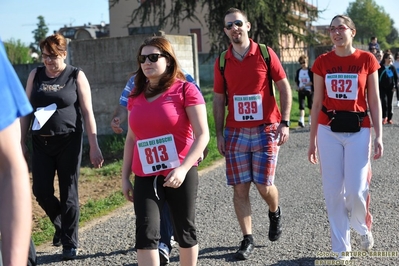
(302, 62)
(238, 23)
(152, 57)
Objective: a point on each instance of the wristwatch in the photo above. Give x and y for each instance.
(286, 123)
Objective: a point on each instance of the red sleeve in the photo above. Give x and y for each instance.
(277, 71)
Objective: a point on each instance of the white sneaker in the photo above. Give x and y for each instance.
(342, 257)
(367, 241)
(397, 104)
(310, 121)
(172, 242)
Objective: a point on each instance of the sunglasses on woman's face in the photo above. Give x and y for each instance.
(238, 23)
(152, 57)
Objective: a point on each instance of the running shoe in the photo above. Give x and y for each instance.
(275, 227)
(245, 249)
(367, 241)
(164, 252)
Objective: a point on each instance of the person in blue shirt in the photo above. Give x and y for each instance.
(119, 116)
(15, 195)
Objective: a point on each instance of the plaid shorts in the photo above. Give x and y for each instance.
(251, 154)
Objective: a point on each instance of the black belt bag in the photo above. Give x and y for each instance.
(344, 121)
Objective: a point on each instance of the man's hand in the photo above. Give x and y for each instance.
(116, 125)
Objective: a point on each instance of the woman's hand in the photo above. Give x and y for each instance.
(175, 178)
(96, 157)
(312, 154)
(127, 189)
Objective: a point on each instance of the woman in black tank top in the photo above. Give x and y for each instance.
(60, 95)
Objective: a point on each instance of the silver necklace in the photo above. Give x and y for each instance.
(244, 54)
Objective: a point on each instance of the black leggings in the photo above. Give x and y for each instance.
(386, 96)
(181, 203)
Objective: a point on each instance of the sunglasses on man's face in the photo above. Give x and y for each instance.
(152, 57)
(302, 63)
(238, 23)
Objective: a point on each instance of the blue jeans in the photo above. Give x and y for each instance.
(166, 226)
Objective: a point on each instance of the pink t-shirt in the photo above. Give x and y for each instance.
(156, 123)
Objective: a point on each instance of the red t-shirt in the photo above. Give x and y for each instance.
(345, 82)
(247, 80)
(165, 116)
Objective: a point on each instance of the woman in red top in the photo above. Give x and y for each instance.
(340, 81)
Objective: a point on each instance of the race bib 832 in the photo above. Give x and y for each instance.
(342, 86)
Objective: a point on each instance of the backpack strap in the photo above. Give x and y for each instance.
(266, 57)
(222, 62)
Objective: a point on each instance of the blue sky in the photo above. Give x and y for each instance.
(19, 17)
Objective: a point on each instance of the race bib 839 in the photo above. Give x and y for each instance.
(248, 107)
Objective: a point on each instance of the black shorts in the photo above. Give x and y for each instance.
(301, 98)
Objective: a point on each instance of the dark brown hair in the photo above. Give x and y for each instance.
(386, 55)
(172, 72)
(348, 21)
(55, 44)
(233, 10)
(302, 58)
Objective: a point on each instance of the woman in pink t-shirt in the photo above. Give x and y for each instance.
(165, 113)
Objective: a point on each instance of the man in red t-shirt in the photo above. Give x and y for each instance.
(255, 128)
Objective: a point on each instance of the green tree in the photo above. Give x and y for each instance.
(39, 34)
(393, 36)
(269, 18)
(370, 20)
(17, 52)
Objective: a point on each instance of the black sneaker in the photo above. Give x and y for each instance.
(245, 250)
(275, 227)
(57, 238)
(301, 124)
(69, 253)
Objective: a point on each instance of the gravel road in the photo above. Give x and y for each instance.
(305, 240)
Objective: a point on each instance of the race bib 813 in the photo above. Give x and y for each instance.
(158, 153)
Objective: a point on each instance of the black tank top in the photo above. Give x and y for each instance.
(61, 90)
